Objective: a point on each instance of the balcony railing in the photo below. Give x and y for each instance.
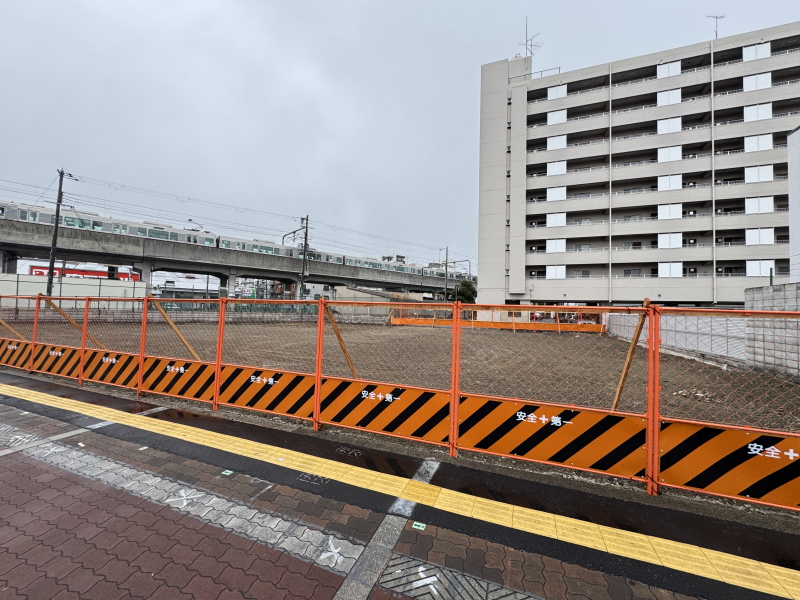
(634, 81)
(694, 98)
(695, 69)
(635, 108)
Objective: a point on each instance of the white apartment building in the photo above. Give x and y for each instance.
(661, 176)
(794, 204)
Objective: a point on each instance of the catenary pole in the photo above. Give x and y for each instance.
(305, 263)
(55, 234)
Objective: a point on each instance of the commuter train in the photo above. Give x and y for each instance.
(94, 222)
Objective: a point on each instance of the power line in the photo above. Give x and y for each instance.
(138, 211)
(188, 199)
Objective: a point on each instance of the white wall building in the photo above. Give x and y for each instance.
(794, 205)
(661, 176)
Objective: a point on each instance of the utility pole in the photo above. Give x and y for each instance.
(55, 234)
(305, 263)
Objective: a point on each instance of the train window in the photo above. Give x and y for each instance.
(224, 244)
(85, 224)
(97, 225)
(70, 222)
(349, 261)
(239, 246)
(141, 231)
(173, 236)
(2, 211)
(159, 234)
(194, 239)
(339, 259)
(289, 252)
(23, 215)
(33, 216)
(208, 241)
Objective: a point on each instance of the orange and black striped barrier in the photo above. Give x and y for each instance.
(742, 461)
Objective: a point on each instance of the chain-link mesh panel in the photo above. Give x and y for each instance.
(115, 325)
(543, 355)
(17, 316)
(731, 370)
(60, 321)
(183, 329)
(415, 351)
(280, 335)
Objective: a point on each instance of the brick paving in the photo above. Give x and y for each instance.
(351, 522)
(66, 537)
(32, 423)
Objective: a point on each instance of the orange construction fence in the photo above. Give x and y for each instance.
(704, 400)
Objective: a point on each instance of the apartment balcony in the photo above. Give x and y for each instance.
(595, 256)
(739, 251)
(735, 128)
(737, 68)
(737, 159)
(573, 125)
(648, 254)
(571, 230)
(739, 189)
(738, 98)
(573, 100)
(648, 141)
(653, 225)
(688, 194)
(740, 220)
(688, 106)
(575, 150)
(651, 85)
(580, 202)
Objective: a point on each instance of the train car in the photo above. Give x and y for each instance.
(74, 219)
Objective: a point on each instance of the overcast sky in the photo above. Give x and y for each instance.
(363, 115)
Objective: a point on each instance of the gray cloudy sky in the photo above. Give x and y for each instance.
(362, 114)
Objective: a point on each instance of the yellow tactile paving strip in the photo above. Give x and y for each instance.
(746, 573)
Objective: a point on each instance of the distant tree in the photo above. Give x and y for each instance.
(465, 292)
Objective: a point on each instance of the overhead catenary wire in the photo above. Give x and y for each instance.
(188, 199)
(369, 244)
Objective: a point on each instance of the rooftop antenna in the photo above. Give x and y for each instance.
(531, 46)
(716, 23)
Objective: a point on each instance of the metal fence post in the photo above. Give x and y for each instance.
(35, 332)
(223, 303)
(653, 398)
(318, 364)
(455, 371)
(83, 339)
(142, 344)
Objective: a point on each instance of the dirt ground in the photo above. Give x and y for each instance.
(567, 368)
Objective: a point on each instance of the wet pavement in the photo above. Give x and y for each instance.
(95, 509)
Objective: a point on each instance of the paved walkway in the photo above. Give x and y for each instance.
(132, 506)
